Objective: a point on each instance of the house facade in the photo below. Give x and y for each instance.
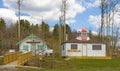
(118, 42)
(35, 44)
(83, 46)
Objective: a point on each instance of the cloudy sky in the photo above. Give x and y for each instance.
(80, 13)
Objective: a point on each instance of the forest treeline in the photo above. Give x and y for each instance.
(9, 34)
(54, 38)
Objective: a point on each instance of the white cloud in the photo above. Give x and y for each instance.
(31, 20)
(96, 3)
(70, 21)
(91, 3)
(51, 29)
(8, 15)
(74, 8)
(117, 19)
(49, 9)
(94, 33)
(95, 20)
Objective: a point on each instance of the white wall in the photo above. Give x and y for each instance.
(68, 45)
(118, 43)
(89, 50)
(96, 52)
(24, 43)
(63, 51)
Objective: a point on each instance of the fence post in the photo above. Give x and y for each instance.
(23, 58)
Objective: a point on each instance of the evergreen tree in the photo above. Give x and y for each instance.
(56, 32)
(44, 29)
(2, 25)
(68, 32)
(90, 34)
(25, 28)
(2, 28)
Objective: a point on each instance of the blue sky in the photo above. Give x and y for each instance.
(80, 13)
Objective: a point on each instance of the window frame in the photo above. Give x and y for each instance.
(26, 47)
(63, 47)
(74, 46)
(79, 34)
(96, 47)
(40, 47)
(84, 34)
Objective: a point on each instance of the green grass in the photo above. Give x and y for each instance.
(85, 65)
(81, 65)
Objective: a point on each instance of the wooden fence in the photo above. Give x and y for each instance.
(24, 57)
(10, 57)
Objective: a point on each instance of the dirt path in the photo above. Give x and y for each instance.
(10, 65)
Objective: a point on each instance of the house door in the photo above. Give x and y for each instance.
(33, 48)
(40, 49)
(84, 49)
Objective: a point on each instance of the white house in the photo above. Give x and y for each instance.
(35, 44)
(82, 46)
(118, 42)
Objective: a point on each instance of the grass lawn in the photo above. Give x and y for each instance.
(87, 65)
(81, 65)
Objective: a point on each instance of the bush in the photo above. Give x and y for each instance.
(1, 60)
(48, 62)
(56, 54)
(34, 61)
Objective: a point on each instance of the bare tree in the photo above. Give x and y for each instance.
(64, 2)
(19, 5)
(107, 20)
(102, 7)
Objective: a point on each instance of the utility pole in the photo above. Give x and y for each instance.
(60, 29)
(64, 17)
(102, 20)
(19, 4)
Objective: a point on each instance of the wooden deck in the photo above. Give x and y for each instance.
(12, 63)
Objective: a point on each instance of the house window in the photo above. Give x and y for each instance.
(25, 47)
(79, 34)
(63, 47)
(96, 47)
(84, 34)
(40, 47)
(74, 46)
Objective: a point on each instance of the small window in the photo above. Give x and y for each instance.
(96, 47)
(79, 34)
(73, 46)
(40, 47)
(25, 47)
(63, 48)
(84, 34)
